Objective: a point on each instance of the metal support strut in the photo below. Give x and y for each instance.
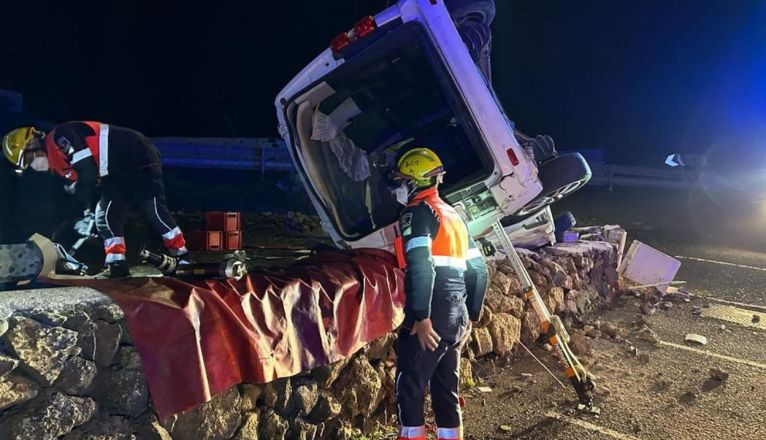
(552, 327)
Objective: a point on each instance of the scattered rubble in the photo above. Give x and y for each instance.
(649, 335)
(718, 374)
(689, 397)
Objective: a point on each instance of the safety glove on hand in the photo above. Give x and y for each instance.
(84, 226)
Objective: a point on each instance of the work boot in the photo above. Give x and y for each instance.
(184, 259)
(117, 269)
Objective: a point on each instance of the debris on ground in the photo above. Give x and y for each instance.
(695, 338)
(648, 309)
(647, 334)
(484, 389)
(688, 397)
(646, 265)
(718, 374)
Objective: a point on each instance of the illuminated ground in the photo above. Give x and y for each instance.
(651, 396)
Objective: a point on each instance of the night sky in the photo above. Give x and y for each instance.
(640, 78)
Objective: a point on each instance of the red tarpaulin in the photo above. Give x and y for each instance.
(199, 338)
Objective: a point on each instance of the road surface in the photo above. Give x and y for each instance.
(663, 390)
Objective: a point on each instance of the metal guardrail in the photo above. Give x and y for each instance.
(270, 154)
(619, 175)
(257, 154)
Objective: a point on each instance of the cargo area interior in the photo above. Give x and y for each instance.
(350, 127)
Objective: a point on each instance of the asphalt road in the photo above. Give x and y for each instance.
(664, 390)
(722, 250)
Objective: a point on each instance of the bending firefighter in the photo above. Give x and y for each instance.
(124, 164)
(445, 282)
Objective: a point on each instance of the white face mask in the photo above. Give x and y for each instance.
(402, 194)
(40, 163)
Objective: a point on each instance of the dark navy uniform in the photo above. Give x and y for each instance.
(445, 280)
(126, 166)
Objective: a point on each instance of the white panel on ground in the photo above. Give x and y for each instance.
(644, 264)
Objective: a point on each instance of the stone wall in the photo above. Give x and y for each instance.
(69, 371)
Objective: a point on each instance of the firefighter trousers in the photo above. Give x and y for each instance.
(439, 370)
(146, 189)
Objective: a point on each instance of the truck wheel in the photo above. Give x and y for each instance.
(472, 19)
(560, 177)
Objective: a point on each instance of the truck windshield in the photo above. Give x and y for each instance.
(349, 128)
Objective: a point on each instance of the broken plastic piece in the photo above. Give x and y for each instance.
(645, 265)
(697, 339)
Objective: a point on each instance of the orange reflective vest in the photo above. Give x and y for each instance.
(449, 246)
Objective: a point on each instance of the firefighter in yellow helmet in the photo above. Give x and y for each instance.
(445, 282)
(15, 144)
(122, 162)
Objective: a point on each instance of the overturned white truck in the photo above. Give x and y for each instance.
(416, 74)
(403, 78)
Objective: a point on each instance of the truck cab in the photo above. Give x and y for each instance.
(400, 79)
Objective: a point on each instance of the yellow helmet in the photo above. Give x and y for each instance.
(15, 142)
(419, 166)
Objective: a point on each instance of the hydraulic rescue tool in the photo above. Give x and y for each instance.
(232, 267)
(552, 327)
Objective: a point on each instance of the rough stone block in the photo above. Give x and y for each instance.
(278, 395)
(147, 427)
(496, 301)
(501, 282)
(249, 428)
(379, 348)
(517, 307)
(505, 331)
(250, 393)
(15, 390)
(107, 342)
(326, 375)
(43, 351)
(58, 415)
(302, 430)
(77, 376)
(122, 392)
(7, 365)
(530, 328)
(358, 387)
(128, 358)
(482, 341)
(305, 397)
(217, 419)
(327, 407)
(81, 323)
(47, 318)
(272, 426)
(103, 428)
(110, 312)
(556, 298)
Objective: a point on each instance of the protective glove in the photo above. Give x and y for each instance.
(71, 189)
(85, 225)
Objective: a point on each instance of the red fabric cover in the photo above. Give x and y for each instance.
(199, 338)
